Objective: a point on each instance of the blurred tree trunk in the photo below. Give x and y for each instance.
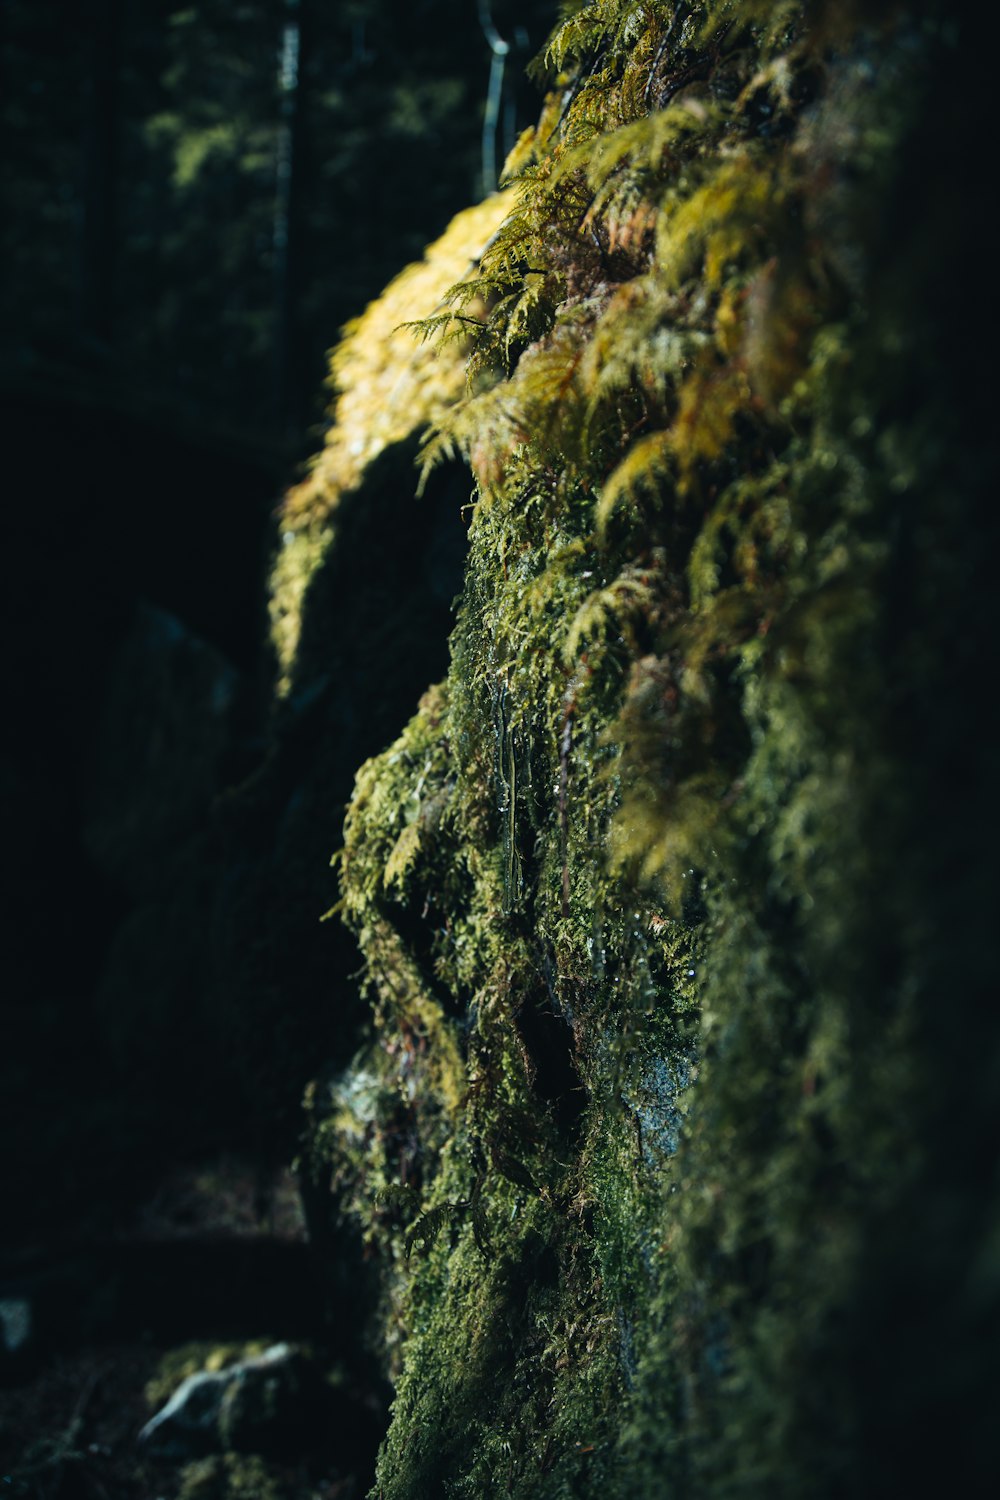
(286, 237)
(96, 274)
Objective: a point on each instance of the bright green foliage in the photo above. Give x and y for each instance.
(651, 955)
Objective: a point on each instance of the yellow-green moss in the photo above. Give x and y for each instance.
(388, 385)
(645, 1086)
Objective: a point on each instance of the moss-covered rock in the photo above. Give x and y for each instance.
(232, 1476)
(655, 1139)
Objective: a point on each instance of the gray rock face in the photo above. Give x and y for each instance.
(188, 1426)
(255, 1406)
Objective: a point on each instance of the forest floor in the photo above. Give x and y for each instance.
(213, 1249)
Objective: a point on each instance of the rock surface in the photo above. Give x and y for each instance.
(264, 1404)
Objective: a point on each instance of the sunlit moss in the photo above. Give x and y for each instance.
(643, 1088)
(388, 385)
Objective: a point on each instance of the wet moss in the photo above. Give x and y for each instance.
(645, 890)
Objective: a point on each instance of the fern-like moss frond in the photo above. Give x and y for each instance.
(642, 472)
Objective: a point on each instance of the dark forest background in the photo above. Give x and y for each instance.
(194, 198)
(197, 196)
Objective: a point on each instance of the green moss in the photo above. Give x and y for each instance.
(231, 1476)
(645, 1092)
